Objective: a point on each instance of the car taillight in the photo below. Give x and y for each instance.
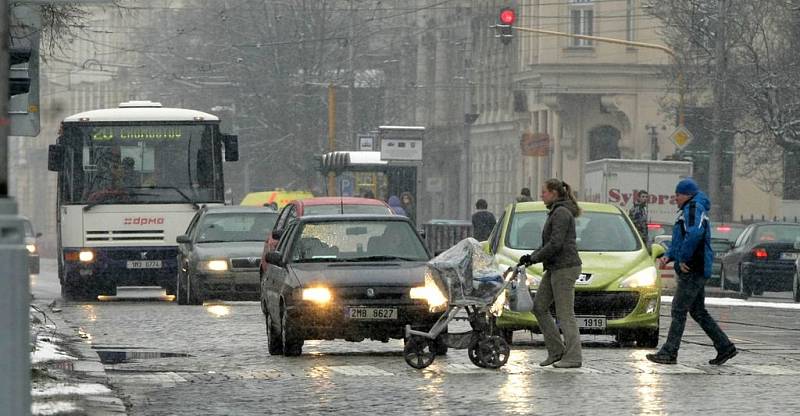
(760, 253)
(724, 229)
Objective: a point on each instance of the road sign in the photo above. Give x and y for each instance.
(681, 137)
(366, 142)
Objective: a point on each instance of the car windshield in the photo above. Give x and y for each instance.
(235, 226)
(358, 241)
(345, 209)
(727, 232)
(28, 228)
(596, 231)
(782, 233)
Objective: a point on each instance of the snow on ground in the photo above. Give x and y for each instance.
(63, 389)
(54, 408)
(742, 302)
(47, 350)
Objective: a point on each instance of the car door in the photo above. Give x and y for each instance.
(733, 259)
(274, 283)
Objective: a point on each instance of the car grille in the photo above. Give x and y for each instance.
(379, 293)
(613, 305)
(150, 254)
(125, 235)
(246, 263)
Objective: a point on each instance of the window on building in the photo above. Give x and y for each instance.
(582, 20)
(630, 27)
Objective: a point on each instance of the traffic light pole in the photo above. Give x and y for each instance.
(662, 48)
(15, 367)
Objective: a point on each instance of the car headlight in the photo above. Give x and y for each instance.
(31, 248)
(430, 293)
(319, 295)
(643, 278)
(215, 265)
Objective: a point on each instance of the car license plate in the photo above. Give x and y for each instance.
(372, 313)
(789, 256)
(144, 264)
(591, 322)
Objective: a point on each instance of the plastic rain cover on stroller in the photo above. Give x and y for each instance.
(465, 271)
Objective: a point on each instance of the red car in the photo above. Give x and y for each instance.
(328, 205)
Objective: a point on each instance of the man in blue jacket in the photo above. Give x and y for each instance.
(693, 257)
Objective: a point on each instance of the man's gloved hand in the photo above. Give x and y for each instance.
(526, 260)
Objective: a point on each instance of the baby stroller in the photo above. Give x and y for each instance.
(470, 280)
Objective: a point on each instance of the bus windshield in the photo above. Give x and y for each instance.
(140, 163)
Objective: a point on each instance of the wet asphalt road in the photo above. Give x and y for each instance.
(213, 360)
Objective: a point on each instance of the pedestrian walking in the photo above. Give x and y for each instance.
(693, 257)
(407, 201)
(524, 195)
(483, 221)
(638, 213)
(562, 266)
(396, 206)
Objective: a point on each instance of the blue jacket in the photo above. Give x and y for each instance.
(691, 236)
(397, 206)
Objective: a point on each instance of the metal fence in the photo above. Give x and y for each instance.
(443, 234)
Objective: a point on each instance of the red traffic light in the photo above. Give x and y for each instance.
(508, 16)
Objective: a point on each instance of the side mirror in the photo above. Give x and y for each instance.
(276, 234)
(231, 143)
(275, 257)
(55, 158)
(38, 235)
(422, 233)
(183, 239)
(657, 251)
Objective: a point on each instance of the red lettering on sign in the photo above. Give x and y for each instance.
(613, 195)
(143, 221)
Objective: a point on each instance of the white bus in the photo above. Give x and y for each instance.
(129, 182)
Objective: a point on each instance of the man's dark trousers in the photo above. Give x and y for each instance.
(690, 298)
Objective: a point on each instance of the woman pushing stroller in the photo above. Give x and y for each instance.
(559, 255)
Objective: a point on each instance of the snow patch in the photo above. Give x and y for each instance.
(54, 408)
(61, 389)
(48, 351)
(742, 302)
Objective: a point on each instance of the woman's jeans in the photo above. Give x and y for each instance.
(690, 298)
(558, 286)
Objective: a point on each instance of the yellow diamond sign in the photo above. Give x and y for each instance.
(681, 137)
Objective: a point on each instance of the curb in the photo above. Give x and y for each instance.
(711, 292)
(86, 369)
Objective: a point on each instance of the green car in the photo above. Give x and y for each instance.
(619, 290)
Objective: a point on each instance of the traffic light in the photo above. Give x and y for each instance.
(506, 21)
(19, 82)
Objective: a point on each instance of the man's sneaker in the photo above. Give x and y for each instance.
(722, 357)
(661, 358)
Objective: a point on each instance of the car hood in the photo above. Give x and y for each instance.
(229, 250)
(359, 274)
(606, 268)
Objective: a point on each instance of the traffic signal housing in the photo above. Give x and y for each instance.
(19, 81)
(505, 25)
(23, 78)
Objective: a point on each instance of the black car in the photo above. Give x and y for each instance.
(762, 259)
(344, 277)
(32, 245)
(220, 254)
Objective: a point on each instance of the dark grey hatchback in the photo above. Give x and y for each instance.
(344, 277)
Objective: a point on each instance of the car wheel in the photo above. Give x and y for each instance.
(796, 288)
(625, 338)
(292, 342)
(274, 341)
(744, 286)
(647, 338)
(194, 295)
(180, 290)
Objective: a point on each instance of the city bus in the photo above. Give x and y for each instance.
(130, 179)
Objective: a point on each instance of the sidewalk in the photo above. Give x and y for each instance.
(67, 377)
(711, 292)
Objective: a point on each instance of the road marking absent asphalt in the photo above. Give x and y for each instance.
(766, 369)
(359, 370)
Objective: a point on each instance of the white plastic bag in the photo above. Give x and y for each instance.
(520, 299)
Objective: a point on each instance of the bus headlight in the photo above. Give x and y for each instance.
(86, 256)
(643, 278)
(215, 265)
(319, 295)
(31, 248)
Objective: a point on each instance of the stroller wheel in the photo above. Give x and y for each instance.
(492, 352)
(473, 351)
(419, 352)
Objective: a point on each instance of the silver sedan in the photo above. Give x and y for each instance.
(220, 253)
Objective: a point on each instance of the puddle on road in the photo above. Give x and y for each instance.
(117, 357)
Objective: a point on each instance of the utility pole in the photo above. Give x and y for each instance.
(351, 78)
(15, 384)
(717, 124)
(331, 135)
(651, 131)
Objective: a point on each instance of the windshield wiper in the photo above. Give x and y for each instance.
(384, 258)
(174, 188)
